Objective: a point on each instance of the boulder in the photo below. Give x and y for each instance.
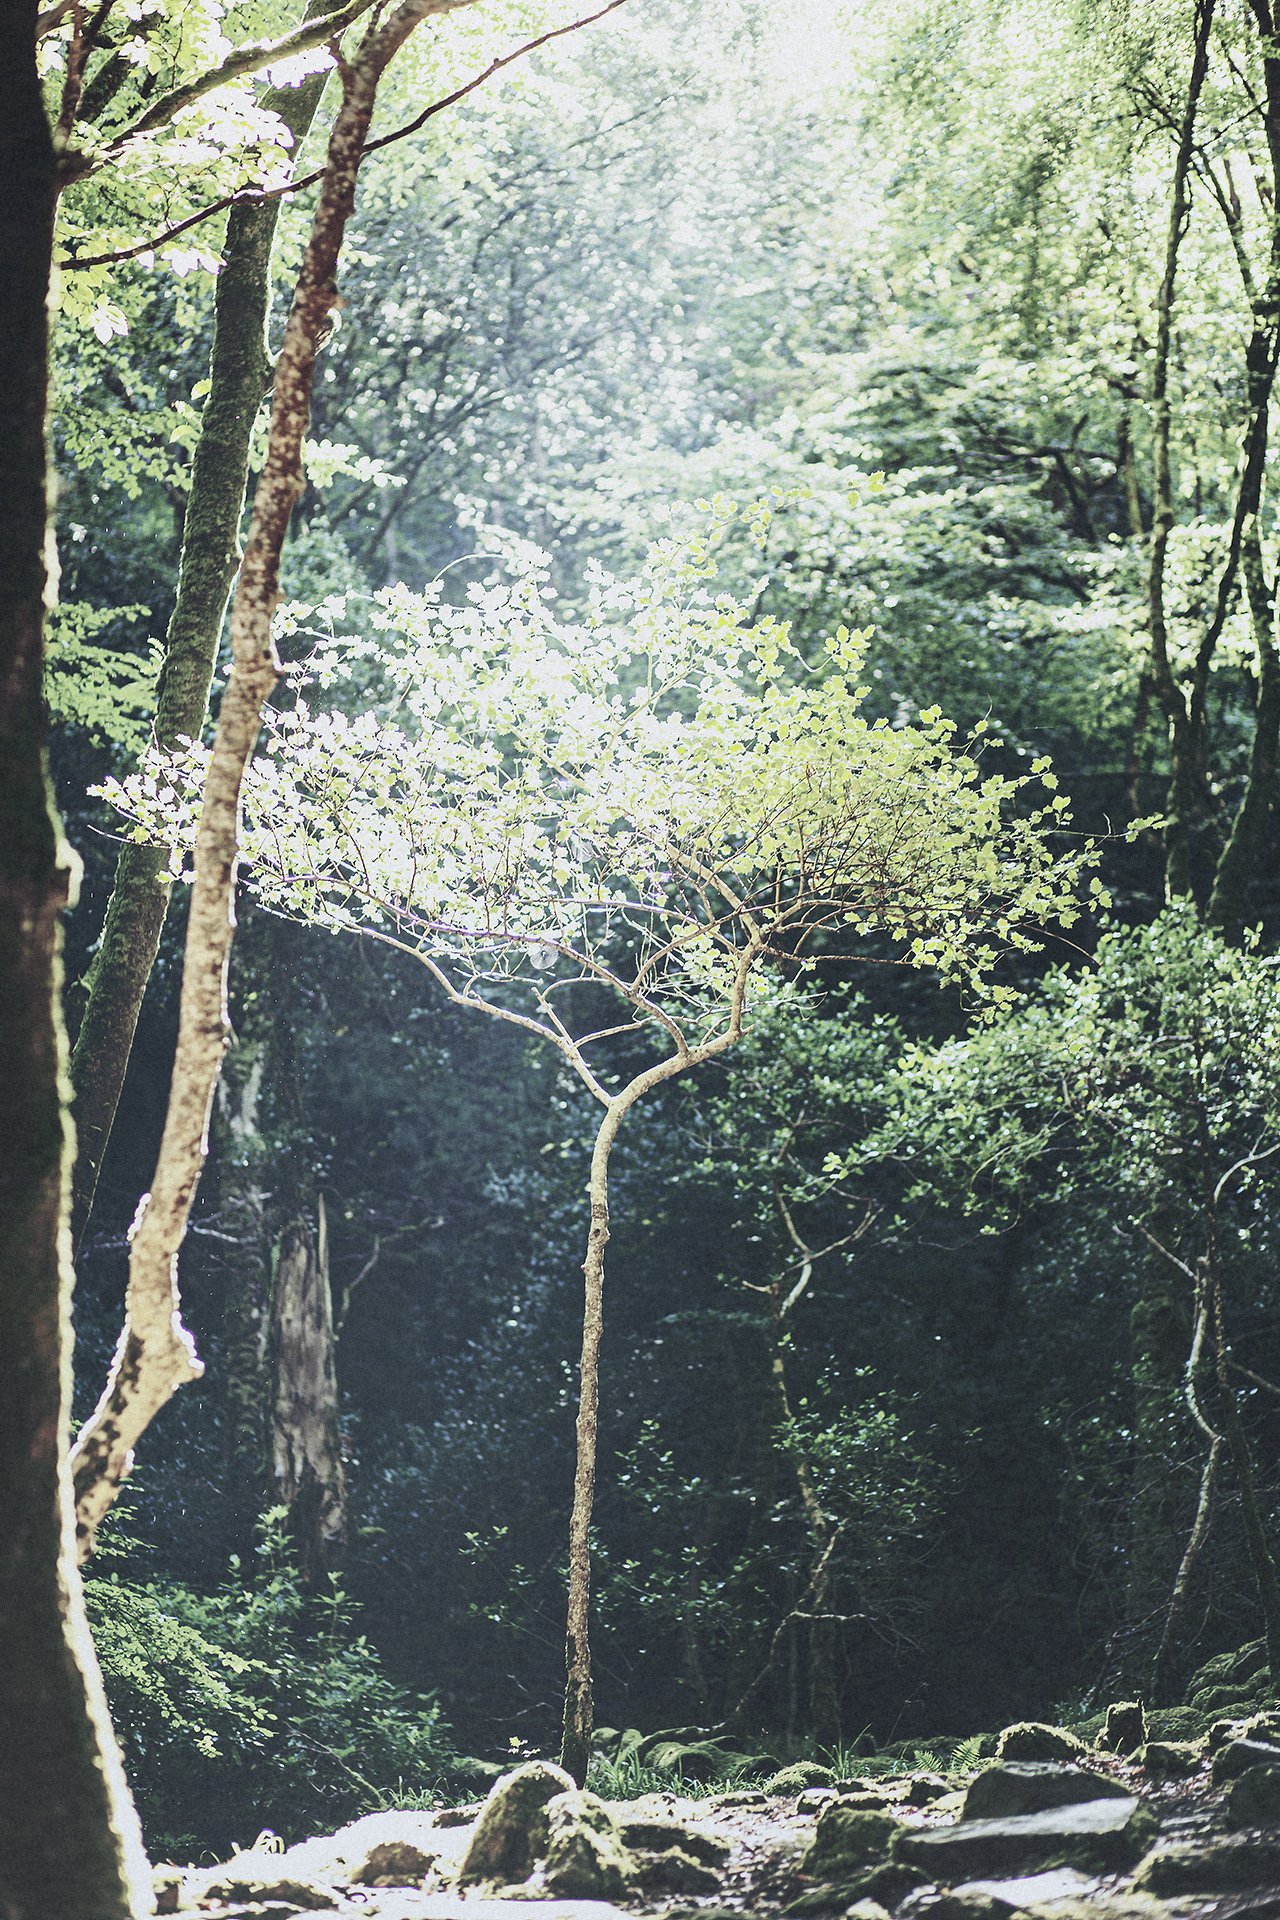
(1253, 1800)
(512, 1829)
(1034, 1786)
(1103, 1835)
(814, 1799)
(586, 1857)
(1238, 1756)
(1223, 1865)
(845, 1838)
(1125, 1727)
(1034, 1740)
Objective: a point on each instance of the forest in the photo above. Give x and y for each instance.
(678, 601)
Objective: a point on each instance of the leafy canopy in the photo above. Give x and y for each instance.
(650, 798)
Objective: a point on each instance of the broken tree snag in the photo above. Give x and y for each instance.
(155, 1354)
(306, 1443)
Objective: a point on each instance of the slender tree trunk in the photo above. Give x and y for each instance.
(575, 1751)
(70, 1846)
(239, 379)
(1183, 799)
(155, 1355)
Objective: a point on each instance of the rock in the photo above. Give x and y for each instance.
(512, 1829)
(1100, 1834)
(1253, 1799)
(866, 1910)
(262, 1881)
(1246, 1663)
(1034, 1889)
(1125, 1727)
(1238, 1756)
(1033, 1786)
(586, 1857)
(1222, 1865)
(922, 1788)
(1170, 1759)
(661, 1836)
(794, 1779)
(752, 1798)
(847, 1837)
(1033, 1740)
(676, 1871)
(394, 1863)
(814, 1799)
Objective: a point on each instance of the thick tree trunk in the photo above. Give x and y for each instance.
(306, 1438)
(70, 1846)
(155, 1355)
(239, 378)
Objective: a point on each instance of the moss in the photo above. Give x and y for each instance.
(795, 1778)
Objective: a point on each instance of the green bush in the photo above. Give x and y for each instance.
(257, 1706)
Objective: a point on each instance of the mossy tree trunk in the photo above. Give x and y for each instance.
(70, 1846)
(240, 372)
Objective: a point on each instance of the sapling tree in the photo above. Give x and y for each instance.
(612, 829)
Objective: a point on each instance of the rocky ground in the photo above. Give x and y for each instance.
(1048, 1829)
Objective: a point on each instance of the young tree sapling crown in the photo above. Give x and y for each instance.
(647, 804)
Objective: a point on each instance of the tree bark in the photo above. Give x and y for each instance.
(239, 379)
(306, 1440)
(155, 1354)
(70, 1845)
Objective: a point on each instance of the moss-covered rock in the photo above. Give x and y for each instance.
(512, 1829)
(1035, 1740)
(1125, 1728)
(1244, 1664)
(1176, 1723)
(845, 1838)
(586, 1856)
(1171, 1759)
(795, 1778)
(1254, 1799)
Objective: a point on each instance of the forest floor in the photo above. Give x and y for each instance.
(1146, 1850)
